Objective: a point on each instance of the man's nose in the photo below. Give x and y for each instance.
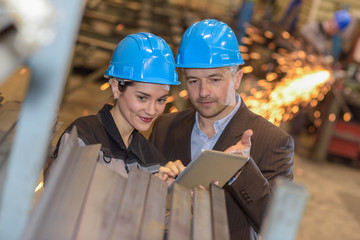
(205, 89)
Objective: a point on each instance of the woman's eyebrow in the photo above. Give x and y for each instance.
(148, 95)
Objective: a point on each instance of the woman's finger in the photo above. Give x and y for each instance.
(173, 168)
(179, 166)
(164, 173)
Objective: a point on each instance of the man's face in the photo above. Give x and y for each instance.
(212, 90)
(330, 27)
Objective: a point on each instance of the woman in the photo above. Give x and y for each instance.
(141, 71)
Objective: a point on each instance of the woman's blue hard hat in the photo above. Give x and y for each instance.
(143, 57)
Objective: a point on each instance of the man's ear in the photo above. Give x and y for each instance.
(115, 88)
(238, 77)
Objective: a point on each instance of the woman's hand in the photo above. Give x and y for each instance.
(170, 171)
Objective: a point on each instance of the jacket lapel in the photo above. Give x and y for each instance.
(230, 136)
(234, 130)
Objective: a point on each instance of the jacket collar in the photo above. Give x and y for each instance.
(230, 136)
(234, 130)
(109, 125)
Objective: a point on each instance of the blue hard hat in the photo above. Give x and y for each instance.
(143, 57)
(208, 44)
(342, 19)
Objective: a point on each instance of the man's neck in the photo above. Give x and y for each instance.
(206, 125)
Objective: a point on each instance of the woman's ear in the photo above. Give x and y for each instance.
(115, 88)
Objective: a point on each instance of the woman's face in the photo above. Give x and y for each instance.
(141, 103)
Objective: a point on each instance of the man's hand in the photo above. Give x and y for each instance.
(170, 171)
(243, 146)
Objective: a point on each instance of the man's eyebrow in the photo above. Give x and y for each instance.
(187, 77)
(209, 76)
(216, 75)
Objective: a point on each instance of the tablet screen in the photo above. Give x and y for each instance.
(208, 166)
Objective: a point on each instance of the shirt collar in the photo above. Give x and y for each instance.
(109, 124)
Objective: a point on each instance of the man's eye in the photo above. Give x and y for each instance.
(192, 81)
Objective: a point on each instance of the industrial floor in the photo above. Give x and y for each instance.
(333, 207)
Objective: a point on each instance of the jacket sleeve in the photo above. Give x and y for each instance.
(253, 187)
(51, 162)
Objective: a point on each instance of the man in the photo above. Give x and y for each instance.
(320, 37)
(209, 56)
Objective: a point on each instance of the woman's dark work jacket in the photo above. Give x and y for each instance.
(101, 128)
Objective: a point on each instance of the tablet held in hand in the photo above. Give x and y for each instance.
(209, 166)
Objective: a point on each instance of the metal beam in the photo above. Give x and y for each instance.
(285, 211)
(49, 67)
(56, 215)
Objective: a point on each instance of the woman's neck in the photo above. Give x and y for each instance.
(125, 129)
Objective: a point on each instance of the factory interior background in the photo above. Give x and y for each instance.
(314, 98)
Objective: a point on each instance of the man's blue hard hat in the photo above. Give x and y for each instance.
(143, 57)
(342, 19)
(208, 44)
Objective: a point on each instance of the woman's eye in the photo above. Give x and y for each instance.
(162, 100)
(141, 98)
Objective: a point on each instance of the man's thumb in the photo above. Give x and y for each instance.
(247, 136)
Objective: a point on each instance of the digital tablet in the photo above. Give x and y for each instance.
(208, 166)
